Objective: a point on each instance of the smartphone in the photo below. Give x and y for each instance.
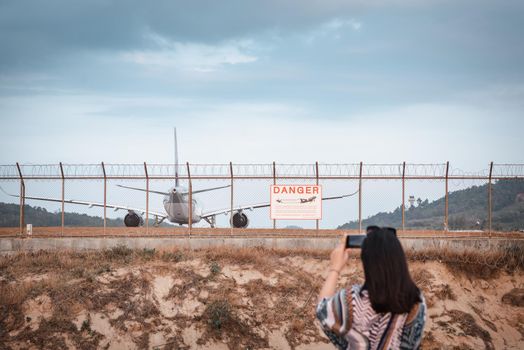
(354, 241)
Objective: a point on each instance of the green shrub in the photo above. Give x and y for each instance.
(147, 254)
(219, 313)
(215, 268)
(175, 256)
(119, 252)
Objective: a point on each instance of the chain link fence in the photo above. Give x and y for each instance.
(417, 199)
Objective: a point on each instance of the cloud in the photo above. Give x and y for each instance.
(334, 28)
(66, 38)
(337, 24)
(192, 56)
(360, 57)
(31, 34)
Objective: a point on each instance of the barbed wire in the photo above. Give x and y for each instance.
(311, 170)
(511, 170)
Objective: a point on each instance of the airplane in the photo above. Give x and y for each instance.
(176, 205)
(300, 200)
(306, 200)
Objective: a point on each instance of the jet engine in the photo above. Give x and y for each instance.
(133, 219)
(240, 220)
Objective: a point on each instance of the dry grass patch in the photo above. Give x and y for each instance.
(224, 323)
(445, 292)
(508, 257)
(14, 294)
(422, 278)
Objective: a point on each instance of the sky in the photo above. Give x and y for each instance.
(293, 81)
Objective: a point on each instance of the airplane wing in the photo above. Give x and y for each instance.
(166, 193)
(91, 204)
(209, 189)
(260, 205)
(144, 190)
(227, 210)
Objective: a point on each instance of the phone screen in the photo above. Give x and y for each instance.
(354, 241)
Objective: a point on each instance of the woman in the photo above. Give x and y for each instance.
(387, 312)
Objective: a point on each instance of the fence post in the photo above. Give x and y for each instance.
(490, 197)
(105, 196)
(22, 200)
(63, 195)
(190, 208)
(360, 199)
(231, 212)
(274, 183)
(316, 176)
(446, 203)
(403, 196)
(147, 198)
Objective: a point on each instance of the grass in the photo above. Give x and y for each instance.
(509, 257)
(215, 268)
(147, 254)
(218, 314)
(86, 325)
(173, 256)
(474, 263)
(445, 293)
(422, 277)
(14, 294)
(120, 252)
(225, 324)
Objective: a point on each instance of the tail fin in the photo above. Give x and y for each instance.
(176, 159)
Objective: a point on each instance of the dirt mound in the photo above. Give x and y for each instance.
(225, 298)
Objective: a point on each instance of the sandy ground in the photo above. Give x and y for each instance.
(228, 299)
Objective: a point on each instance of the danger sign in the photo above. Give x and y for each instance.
(296, 202)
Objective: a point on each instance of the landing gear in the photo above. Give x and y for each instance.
(211, 220)
(157, 222)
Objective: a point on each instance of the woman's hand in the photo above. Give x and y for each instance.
(339, 257)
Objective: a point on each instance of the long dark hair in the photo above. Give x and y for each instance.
(388, 281)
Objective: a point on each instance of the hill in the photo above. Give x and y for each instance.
(468, 209)
(234, 298)
(38, 216)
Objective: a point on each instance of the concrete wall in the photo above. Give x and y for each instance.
(10, 245)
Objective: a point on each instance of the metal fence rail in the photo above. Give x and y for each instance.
(274, 172)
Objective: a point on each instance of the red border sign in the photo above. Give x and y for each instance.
(296, 202)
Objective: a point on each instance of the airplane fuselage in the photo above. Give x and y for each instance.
(176, 205)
